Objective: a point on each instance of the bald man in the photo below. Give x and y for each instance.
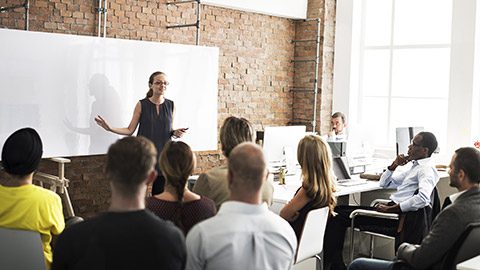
(244, 234)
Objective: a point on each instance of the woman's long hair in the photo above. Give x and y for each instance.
(150, 81)
(177, 163)
(318, 179)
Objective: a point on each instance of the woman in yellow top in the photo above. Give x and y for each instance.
(318, 180)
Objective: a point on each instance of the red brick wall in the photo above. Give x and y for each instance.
(255, 73)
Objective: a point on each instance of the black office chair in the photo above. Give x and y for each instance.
(466, 247)
(412, 226)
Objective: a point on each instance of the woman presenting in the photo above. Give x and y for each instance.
(155, 115)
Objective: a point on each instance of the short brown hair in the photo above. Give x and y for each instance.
(129, 162)
(468, 160)
(340, 114)
(233, 132)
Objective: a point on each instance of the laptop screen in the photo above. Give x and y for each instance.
(340, 168)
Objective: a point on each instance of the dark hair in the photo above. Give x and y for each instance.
(129, 162)
(22, 152)
(339, 114)
(468, 160)
(177, 163)
(233, 132)
(428, 140)
(150, 82)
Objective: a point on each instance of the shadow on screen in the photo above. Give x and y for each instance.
(107, 103)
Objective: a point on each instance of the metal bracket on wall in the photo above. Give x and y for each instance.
(197, 24)
(25, 5)
(102, 10)
(315, 83)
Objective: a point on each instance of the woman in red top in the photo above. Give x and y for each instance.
(177, 203)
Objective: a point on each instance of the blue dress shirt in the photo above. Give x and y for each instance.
(422, 176)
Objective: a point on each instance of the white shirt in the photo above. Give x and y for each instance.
(241, 236)
(422, 176)
(335, 138)
(454, 196)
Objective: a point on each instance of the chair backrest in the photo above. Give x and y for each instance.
(311, 240)
(467, 246)
(21, 249)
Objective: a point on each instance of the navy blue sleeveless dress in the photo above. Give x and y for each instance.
(158, 128)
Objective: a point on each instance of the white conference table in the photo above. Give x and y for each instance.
(471, 264)
(282, 194)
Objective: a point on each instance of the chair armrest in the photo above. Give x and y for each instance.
(379, 201)
(402, 265)
(371, 213)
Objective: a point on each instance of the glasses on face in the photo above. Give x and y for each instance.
(161, 83)
(413, 143)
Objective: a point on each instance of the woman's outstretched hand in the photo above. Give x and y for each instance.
(178, 133)
(101, 122)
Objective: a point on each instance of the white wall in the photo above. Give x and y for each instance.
(294, 9)
(58, 83)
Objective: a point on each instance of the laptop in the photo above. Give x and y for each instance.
(342, 171)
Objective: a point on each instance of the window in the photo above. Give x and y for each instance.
(405, 63)
(404, 66)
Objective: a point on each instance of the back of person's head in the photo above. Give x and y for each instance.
(340, 114)
(315, 159)
(130, 160)
(177, 163)
(468, 160)
(248, 166)
(233, 132)
(22, 152)
(429, 141)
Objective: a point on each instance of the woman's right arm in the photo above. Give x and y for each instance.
(290, 211)
(122, 131)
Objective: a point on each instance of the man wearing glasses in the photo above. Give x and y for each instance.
(422, 176)
(414, 189)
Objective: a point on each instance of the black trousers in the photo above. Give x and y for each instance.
(337, 225)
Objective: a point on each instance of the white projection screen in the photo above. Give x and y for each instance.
(58, 83)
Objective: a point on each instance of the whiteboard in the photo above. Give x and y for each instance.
(58, 83)
(293, 9)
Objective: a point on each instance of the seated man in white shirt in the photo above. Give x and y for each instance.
(244, 234)
(448, 226)
(414, 188)
(338, 125)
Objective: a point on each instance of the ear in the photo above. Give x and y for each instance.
(266, 176)
(425, 151)
(461, 175)
(151, 177)
(229, 178)
(345, 125)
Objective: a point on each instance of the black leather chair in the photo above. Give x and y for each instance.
(466, 247)
(412, 226)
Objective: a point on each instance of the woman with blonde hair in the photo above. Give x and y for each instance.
(318, 180)
(177, 203)
(213, 184)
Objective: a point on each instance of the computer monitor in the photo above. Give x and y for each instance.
(404, 135)
(339, 149)
(280, 144)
